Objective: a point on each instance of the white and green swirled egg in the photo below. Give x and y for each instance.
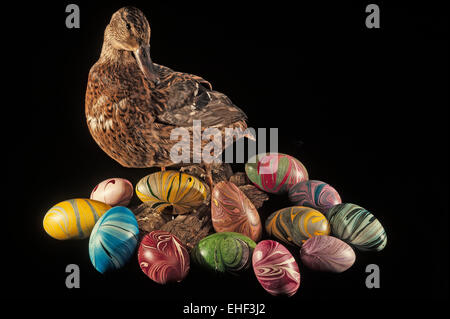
(357, 226)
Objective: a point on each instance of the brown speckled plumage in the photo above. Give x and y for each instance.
(130, 114)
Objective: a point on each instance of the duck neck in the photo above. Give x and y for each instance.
(113, 55)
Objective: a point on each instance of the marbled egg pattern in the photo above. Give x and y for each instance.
(113, 239)
(314, 194)
(113, 191)
(356, 226)
(275, 268)
(232, 211)
(73, 218)
(171, 189)
(294, 225)
(275, 172)
(326, 253)
(163, 258)
(224, 252)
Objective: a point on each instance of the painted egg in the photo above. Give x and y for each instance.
(171, 191)
(227, 252)
(275, 268)
(356, 226)
(163, 258)
(294, 225)
(73, 218)
(114, 192)
(113, 239)
(326, 253)
(232, 211)
(275, 172)
(314, 194)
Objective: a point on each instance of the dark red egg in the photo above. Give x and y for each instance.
(163, 258)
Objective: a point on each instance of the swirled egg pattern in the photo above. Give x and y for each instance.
(163, 258)
(314, 194)
(327, 253)
(171, 191)
(113, 191)
(275, 172)
(113, 239)
(73, 218)
(227, 252)
(275, 268)
(357, 226)
(232, 211)
(294, 225)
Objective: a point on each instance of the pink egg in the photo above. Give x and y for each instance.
(114, 192)
(275, 268)
(326, 253)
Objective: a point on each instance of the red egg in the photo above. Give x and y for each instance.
(275, 268)
(163, 258)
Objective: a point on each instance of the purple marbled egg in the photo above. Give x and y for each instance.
(314, 194)
(326, 253)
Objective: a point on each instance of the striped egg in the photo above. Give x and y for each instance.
(294, 225)
(171, 191)
(113, 239)
(73, 218)
(314, 194)
(356, 226)
(113, 191)
(275, 172)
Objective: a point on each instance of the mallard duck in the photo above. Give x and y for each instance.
(133, 104)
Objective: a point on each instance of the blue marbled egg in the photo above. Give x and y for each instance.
(113, 239)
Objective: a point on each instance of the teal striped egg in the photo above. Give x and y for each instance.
(357, 226)
(113, 239)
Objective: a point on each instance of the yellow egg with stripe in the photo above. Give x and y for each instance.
(294, 225)
(171, 192)
(73, 218)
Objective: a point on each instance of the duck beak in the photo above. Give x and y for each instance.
(145, 63)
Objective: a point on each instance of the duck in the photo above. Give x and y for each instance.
(132, 104)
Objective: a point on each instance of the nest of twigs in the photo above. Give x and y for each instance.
(190, 228)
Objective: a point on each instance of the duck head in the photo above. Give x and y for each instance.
(130, 31)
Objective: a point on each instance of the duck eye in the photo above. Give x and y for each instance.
(128, 26)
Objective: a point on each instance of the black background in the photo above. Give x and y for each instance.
(365, 110)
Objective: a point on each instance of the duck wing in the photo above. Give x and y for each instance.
(189, 97)
(167, 73)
